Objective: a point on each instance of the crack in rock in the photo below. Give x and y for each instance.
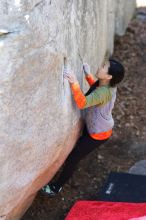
(38, 4)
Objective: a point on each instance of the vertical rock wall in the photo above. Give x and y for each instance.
(39, 121)
(124, 11)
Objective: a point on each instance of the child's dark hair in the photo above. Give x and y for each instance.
(117, 71)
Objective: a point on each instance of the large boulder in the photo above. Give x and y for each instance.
(124, 11)
(40, 122)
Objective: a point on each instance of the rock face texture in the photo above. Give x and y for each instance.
(39, 121)
(124, 11)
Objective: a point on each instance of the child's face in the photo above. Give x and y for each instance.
(102, 72)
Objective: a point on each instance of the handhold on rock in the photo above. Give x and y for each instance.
(4, 32)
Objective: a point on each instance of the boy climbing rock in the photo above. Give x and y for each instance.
(98, 104)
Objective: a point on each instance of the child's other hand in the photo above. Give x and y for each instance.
(86, 68)
(70, 76)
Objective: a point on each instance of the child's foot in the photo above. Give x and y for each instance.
(51, 190)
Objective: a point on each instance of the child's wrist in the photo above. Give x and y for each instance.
(88, 74)
(75, 82)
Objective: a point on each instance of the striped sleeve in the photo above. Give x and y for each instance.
(99, 97)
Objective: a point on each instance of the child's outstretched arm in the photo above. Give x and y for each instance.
(99, 96)
(89, 77)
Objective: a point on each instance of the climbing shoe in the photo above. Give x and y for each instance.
(51, 190)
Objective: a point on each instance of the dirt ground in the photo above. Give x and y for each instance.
(128, 143)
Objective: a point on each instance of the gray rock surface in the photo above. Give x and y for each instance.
(39, 121)
(124, 10)
(139, 168)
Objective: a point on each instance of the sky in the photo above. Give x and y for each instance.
(141, 3)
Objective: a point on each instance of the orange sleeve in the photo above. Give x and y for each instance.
(90, 79)
(78, 95)
(102, 135)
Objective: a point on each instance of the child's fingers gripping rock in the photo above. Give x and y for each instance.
(71, 77)
(86, 68)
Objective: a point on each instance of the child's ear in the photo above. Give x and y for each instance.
(109, 76)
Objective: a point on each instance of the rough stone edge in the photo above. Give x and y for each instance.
(19, 210)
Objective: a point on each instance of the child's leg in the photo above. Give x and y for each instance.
(84, 146)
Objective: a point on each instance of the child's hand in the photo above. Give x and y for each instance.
(70, 76)
(86, 68)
